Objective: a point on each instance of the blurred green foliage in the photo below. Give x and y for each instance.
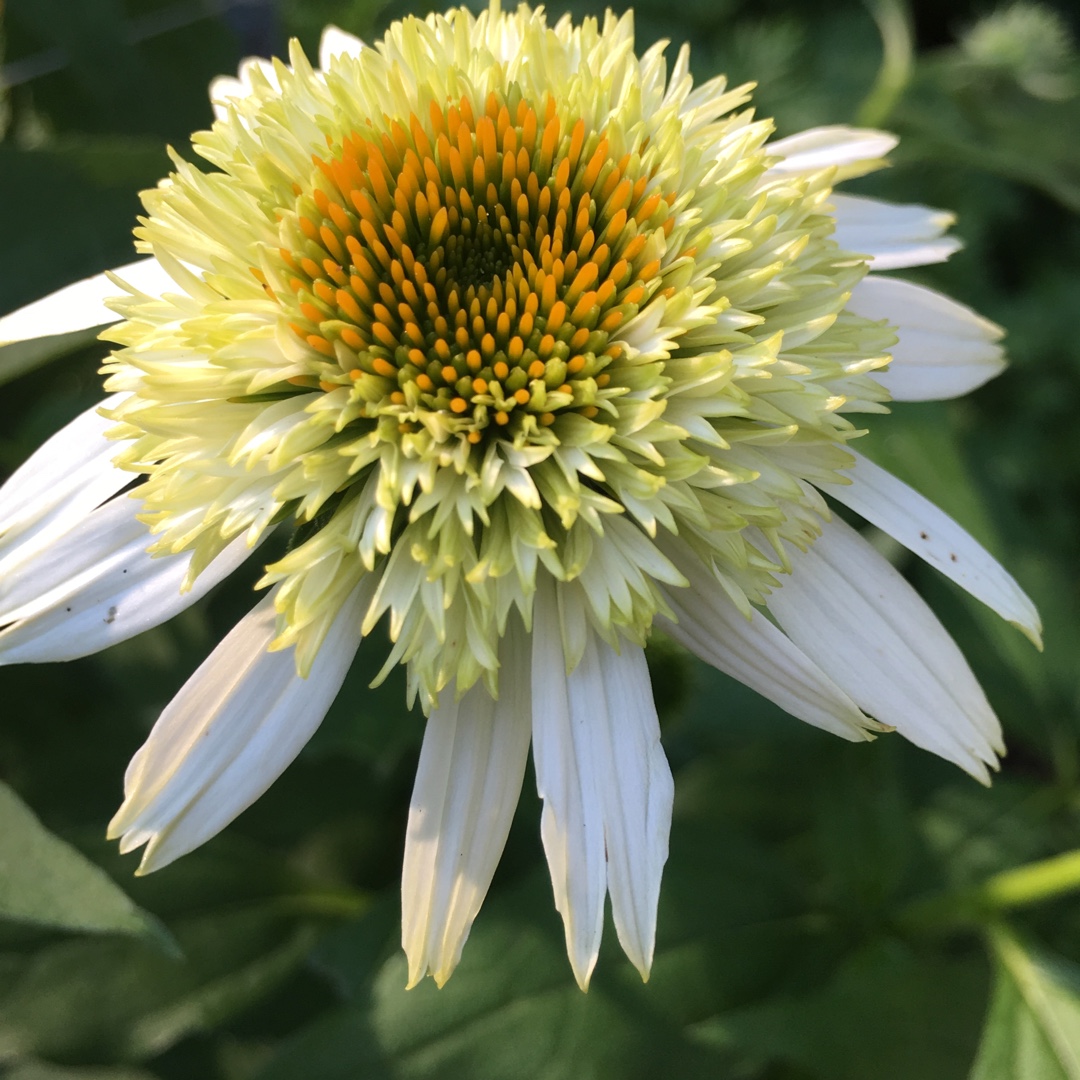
(829, 912)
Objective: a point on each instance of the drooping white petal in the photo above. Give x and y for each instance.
(894, 235)
(58, 485)
(837, 145)
(867, 628)
(755, 652)
(571, 825)
(945, 349)
(930, 533)
(636, 788)
(81, 306)
(96, 586)
(467, 787)
(337, 42)
(606, 786)
(233, 728)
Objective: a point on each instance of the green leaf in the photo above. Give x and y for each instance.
(1018, 886)
(731, 928)
(960, 116)
(46, 882)
(38, 1070)
(219, 1000)
(511, 1010)
(888, 1013)
(1032, 1030)
(118, 1000)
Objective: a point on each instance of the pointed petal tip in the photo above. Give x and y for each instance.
(160, 852)
(1032, 630)
(419, 970)
(641, 959)
(337, 42)
(146, 864)
(127, 844)
(982, 766)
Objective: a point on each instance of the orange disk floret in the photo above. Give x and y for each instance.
(487, 240)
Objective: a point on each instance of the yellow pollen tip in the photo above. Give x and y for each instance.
(449, 374)
(384, 368)
(473, 437)
(501, 370)
(649, 270)
(502, 418)
(459, 405)
(479, 386)
(547, 419)
(320, 344)
(522, 396)
(589, 411)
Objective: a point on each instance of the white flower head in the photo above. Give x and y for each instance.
(533, 344)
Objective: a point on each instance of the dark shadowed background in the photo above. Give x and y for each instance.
(829, 911)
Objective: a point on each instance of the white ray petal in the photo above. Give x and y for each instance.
(851, 150)
(223, 90)
(96, 586)
(945, 349)
(867, 628)
(337, 42)
(894, 235)
(755, 652)
(635, 784)
(81, 306)
(467, 787)
(233, 728)
(930, 533)
(571, 825)
(226, 88)
(58, 485)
